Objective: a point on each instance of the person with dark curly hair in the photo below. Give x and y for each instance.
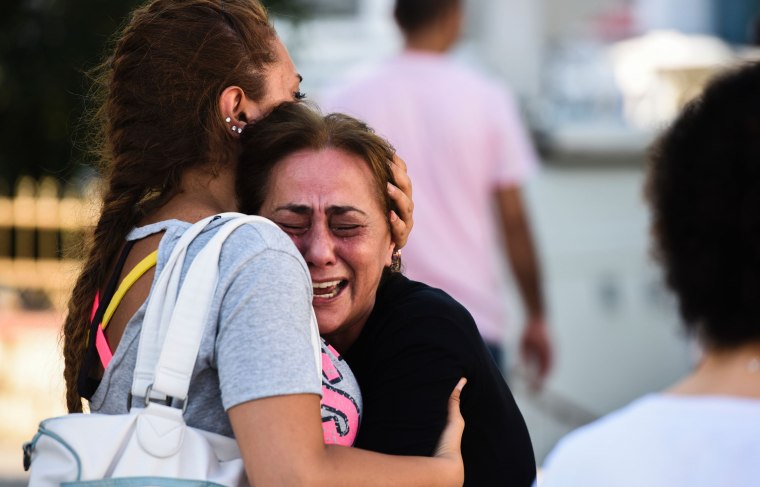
(704, 194)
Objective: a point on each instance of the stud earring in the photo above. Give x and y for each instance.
(239, 130)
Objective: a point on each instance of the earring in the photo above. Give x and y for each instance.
(396, 261)
(239, 130)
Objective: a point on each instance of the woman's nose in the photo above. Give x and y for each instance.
(318, 247)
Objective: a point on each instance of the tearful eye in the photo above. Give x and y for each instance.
(292, 229)
(345, 229)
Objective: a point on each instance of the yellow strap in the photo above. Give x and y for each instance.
(137, 271)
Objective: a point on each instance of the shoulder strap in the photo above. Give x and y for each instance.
(86, 383)
(159, 308)
(175, 364)
(137, 272)
(104, 350)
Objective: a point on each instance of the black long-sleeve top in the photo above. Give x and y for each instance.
(416, 344)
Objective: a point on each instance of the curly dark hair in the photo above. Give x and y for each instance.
(704, 192)
(413, 15)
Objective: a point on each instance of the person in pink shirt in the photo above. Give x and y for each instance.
(469, 154)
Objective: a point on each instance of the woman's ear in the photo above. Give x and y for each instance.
(229, 106)
(237, 109)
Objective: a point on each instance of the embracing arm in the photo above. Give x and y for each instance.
(281, 441)
(269, 384)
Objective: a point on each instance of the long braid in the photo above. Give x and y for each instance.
(118, 216)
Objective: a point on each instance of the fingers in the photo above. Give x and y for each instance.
(532, 376)
(401, 194)
(544, 362)
(449, 450)
(536, 350)
(536, 358)
(401, 176)
(451, 438)
(454, 400)
(542, 352)
(401, 225)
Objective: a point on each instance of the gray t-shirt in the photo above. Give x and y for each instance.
(257, 341)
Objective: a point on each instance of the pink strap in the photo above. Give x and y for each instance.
(95, 306)
(104, 351)
(101, 344)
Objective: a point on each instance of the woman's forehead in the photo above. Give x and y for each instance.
(331, 175)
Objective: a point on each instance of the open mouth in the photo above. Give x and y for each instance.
(328, 289)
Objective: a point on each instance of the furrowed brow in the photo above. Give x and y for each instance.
(342, 210)
(293, 208)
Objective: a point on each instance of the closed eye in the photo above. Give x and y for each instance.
(292, 229)
(346, 230)
(299, 95)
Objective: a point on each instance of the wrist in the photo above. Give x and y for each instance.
(450, 469)
(536, 320)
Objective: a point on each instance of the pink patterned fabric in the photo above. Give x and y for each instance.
(341, 399)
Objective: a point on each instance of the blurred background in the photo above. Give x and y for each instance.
(596, 80)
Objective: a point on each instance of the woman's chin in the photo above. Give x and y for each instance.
(329, 325)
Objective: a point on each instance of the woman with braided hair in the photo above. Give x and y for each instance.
(182, 80)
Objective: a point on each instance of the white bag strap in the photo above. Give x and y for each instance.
(180, 349)
(160, 307)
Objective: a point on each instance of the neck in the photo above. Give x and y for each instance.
(346, 334)
(343, 338)
(201, 194)
(427, 43)
(728, 372)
